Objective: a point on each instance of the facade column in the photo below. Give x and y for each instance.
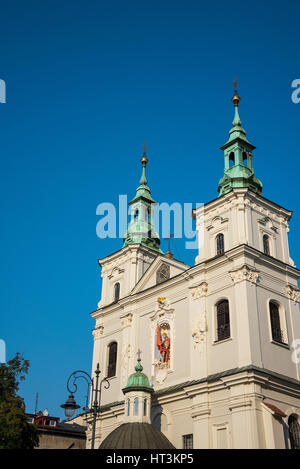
(201, 421)
(247, 330)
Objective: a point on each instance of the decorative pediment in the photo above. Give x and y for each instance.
(216, 222)
(171, 266)
(244, 273)
(267, 222)
(115, 270)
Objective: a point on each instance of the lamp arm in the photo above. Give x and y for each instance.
(75, 375)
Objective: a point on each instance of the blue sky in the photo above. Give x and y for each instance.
(87, 83)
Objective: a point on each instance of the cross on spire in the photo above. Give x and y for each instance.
(171, 235)
(139, 352)
(235, 86)
(145, 148)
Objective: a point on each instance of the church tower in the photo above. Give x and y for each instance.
(238, 171)
(141, 229)
(140, 247)
(219, 338)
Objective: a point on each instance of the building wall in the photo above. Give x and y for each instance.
(228, 415)
(225, 413)
(48, 440)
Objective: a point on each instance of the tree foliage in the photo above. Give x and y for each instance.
(15, 431)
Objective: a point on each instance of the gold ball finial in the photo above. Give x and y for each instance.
(236, 99)
(144, 159)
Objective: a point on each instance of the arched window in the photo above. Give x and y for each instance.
(277, 333)
(117, 291)
(112, 359)
(266, 244)
(294, 431)
(231, 160)
(145, 407)
(245, 158)
(223, 320)
(128, 407)
(136, 406)
(136, 215)
(220, 243)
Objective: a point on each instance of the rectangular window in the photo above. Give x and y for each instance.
(223, 320)
(220, 244)
(112, 359)
(187, 441)
(277, 333)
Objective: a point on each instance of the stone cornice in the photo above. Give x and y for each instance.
(252, 196)
(205, 266)
(132, 248)
(245, 375)
(233, 377)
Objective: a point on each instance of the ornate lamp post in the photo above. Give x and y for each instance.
(70, 405)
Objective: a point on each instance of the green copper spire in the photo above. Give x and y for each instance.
(138, 381)
(141, 228)
(238, 171)
(144, 161)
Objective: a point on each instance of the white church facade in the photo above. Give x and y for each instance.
(216, 338)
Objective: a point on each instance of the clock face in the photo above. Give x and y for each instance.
(163, 273)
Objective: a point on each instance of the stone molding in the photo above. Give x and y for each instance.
(293, 293)
(98, 332)
(126, 320)
(244, 273)
(200, 291)
(239, 403)
(116, 270)
(200, 412)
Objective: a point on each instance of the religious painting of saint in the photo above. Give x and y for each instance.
(163, 343)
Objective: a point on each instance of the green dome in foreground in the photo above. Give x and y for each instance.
(138, 381)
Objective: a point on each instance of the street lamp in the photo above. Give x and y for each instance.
(70, 405)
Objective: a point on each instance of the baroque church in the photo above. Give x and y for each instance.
(217, 337)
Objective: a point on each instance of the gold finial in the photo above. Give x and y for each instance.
(144, 159)
(236, 99)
